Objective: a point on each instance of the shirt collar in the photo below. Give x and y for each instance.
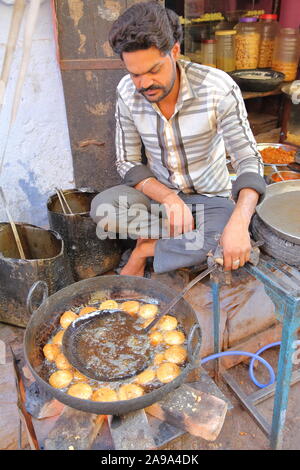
(186, 91)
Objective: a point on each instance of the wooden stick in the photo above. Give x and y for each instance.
(60, 200)
(13, 226)
(65, 201)
(32, 14)
(15, 24)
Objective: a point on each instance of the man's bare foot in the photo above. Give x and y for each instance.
(137, 261)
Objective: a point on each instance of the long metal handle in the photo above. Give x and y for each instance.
(193, 353)
(33, 288)
(180, 295)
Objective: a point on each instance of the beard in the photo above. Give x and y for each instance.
(165, 90)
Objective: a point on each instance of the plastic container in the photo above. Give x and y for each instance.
(269, 29)
(247, 43)
(225, 50)
(209, 52)
(286, 53)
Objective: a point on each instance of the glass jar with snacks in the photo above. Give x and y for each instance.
(225, 50)
(290, 130)
(209, 52)
(247, 43)
(269, 28)
(286, 53)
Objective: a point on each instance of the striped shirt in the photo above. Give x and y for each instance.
(188, 151)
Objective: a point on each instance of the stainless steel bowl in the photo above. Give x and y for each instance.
(286, 147)
(279, 176)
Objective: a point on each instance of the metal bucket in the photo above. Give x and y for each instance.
(88, 255)
(45, 260)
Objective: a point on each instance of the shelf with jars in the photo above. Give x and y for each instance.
(239, 39)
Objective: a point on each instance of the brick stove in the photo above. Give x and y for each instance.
(198, 407)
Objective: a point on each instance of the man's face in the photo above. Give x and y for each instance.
(152, 73)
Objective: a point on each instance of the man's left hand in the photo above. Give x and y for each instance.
(236, 244)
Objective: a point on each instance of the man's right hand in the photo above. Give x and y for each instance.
(180, 217)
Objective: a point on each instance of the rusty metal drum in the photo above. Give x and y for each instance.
(45, 260)
(89, 256)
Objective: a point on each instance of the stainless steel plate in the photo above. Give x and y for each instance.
(286, 147)
(280, 209)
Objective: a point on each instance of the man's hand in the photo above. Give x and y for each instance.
(236, 245)
(235, 239)
(180, 218)
(179, 215)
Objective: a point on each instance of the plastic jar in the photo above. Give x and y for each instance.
(269, 29)
(286, 53)
(209, 52)
(225, 50)
(247, 43)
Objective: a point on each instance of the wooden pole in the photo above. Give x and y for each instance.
(13, 226)
(16, 21)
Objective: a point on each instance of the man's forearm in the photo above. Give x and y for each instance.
(154, 189)
(245, 206)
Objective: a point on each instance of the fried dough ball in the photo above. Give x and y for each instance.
(148, 311)
(86, 310)
(129, 391)
(131, 307)
(167, 323)
(51, 351)
(62, 362)
(174, 337)
(61, 378)
(67, 318)
(145, 377)
(57, 339)
(81, 390)
(105, 394)
(78, 375)
(167, 372)
(108, 304)
(176, 354)
(156, 338)
(159, 358)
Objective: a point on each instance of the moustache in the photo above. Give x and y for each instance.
(150, 88)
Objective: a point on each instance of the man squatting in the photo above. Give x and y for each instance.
(186, 115)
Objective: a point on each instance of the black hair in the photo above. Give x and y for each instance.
(145, 25)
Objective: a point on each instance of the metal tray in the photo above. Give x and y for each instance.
(286, 147)
(280, 210)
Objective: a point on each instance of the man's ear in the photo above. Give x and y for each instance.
(175, 51)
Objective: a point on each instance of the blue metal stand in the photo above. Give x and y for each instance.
(282, 284)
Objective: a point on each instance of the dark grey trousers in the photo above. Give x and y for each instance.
(130, 213)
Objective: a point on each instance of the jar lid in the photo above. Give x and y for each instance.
(248, 19)
(268, 17)
(208, 41)
(225, 32)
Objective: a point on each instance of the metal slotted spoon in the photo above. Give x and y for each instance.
(110, 345)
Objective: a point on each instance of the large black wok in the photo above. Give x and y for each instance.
(45, 320)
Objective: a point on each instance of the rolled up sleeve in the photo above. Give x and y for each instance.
(128, 147)
(232, 123)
